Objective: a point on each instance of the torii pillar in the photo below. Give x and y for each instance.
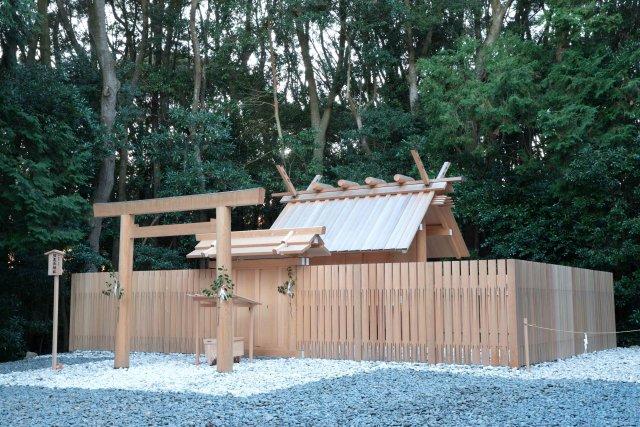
(222, 203)
(224, 332)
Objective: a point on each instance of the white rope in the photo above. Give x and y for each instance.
(582, 332)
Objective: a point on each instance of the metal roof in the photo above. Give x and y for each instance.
(371, 223)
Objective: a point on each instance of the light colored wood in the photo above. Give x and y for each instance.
(174, 229)
(421, 243)
(253, 196)
(345, 184)
(224, 334)
(287, 181)
(443, 170)
(125, 269)
(265, 233)
(374, 182)
(437, 230)
(380, 183)
(212, 349)
(526, 343)
(54, 333)
(421, 170)
(254, 264)
(196, 315)
(403, 179)
(251, 332)
(356, 192)
(463, 311)
(315, 179)
(318, 187)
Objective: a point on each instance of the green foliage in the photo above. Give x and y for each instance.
(549, 145)
(221, 287)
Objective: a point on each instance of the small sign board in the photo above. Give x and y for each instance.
(55, 262)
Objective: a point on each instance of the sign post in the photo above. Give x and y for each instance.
(55, 270)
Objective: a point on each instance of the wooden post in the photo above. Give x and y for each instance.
(421, 243)
(224, 335)
(54, 342)
(125, 276)
(526, 343)
(54, 268)
(251, 326)
(197, 328)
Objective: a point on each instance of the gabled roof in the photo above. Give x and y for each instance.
(372, 223)
(377, 216)
(265, 243)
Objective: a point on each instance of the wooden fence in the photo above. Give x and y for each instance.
(468, 312)
(163, 317)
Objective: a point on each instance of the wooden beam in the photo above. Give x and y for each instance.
(321, 229)
(318, 186)
(445, 217)
(315, 179)
(374, 182)
(421, 170)
(345, 185)
(225, 331)
(125, 279)
(421, 243)
(253, 196)
(438, 230)
(173, 229)
(443, 170)
(402, 179)
(382, 184)
(287, 181)
(337, 193)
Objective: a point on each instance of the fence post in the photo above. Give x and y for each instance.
(526, 343)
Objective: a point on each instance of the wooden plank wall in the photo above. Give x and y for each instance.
(436, 312)
(164, 317)
(566, 299)
(467, 312)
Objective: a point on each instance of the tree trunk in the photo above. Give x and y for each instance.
(108, 99)
(412, 69)
(195, 102)
(355, 111)
(141, 51)
(41, 37)
(65, 21)
(320, 124)
(9, 42)
(498, 12)
(274, 83)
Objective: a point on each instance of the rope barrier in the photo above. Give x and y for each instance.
(582, 332)
(527, 325)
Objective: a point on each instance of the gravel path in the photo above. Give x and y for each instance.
(389, 394)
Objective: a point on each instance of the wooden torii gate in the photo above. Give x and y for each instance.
(222, 203)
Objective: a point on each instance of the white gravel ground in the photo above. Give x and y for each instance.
(177, 373)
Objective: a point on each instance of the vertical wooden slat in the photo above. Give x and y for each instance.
(460, 312)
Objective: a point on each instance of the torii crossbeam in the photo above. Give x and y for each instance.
(222, 203)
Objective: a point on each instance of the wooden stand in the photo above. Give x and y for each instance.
(236, 301)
